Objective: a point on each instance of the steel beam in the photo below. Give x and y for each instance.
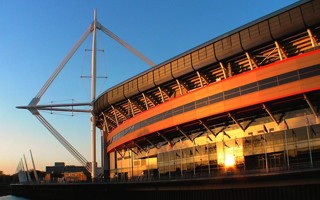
(115, 115)
(150, 99)
(221, 130)
(125, 44)
(310, 105)
(223, 70)
(131, 149)
(136, 105)
(235, 121)
(139, 147)
(145, 100)
(161, 94)
(251, 61)
(105, 124)
(159, 134)
(179, 85)
(282, 54)
(131, 107)
(207, 128)
(150, 143)
(122, 113)
(270, 114)
(184, 134)
(200, 78)
(312, 39)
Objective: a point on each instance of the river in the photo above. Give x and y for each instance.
(12, 197)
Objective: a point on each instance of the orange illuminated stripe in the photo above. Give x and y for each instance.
(305, 59)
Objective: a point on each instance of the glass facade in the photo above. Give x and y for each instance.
(272, 151)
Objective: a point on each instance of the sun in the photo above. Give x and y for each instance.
(229, 160)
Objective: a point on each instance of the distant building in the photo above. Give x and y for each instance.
(75, 176)
(66, 173)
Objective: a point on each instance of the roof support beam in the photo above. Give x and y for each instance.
(111, 118)
(105, 123)
(139, 147)
(184, 85)
(153, 145)
(200, 78)
(229, 70)
(235, 121)
(169, 142)
(184, 134)
(223, 70)
(270, 114)
(122, 113)
(310, 105)
(161, 94)
(252, 120)
(131, 149)
(131, 107)
(115, 115)
(221, 130)
(203, 77)
(207, 128)
(135, 104)
(119, 152)
(150, 99)
(312, 39)
(180, 88)
(145, 100)
(165, 92)
(251, 61)
(281, 53)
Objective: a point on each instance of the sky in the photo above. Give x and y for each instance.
(36, 35)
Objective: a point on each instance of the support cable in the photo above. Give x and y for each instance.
(36, 99)
(63, 141)
(123, 43)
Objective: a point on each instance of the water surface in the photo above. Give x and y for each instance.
(12, 197)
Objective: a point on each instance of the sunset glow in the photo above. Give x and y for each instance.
(229, 160)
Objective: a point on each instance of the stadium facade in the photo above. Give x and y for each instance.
(246, 102)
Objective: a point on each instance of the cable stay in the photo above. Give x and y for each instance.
(123, 43)
(63, 141)
(59, 107)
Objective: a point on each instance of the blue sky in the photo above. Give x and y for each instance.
(35, 36)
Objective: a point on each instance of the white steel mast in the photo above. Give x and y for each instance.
(93, 97)
(29, 177)
(34, 168)
(34, 108)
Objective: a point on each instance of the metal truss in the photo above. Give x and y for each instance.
(34, 108)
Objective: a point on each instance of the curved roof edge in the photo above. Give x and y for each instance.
(275, 13)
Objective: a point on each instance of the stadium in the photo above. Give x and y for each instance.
(236, 117)
(244, 103)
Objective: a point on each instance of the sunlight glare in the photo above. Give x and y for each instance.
(229, 161)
